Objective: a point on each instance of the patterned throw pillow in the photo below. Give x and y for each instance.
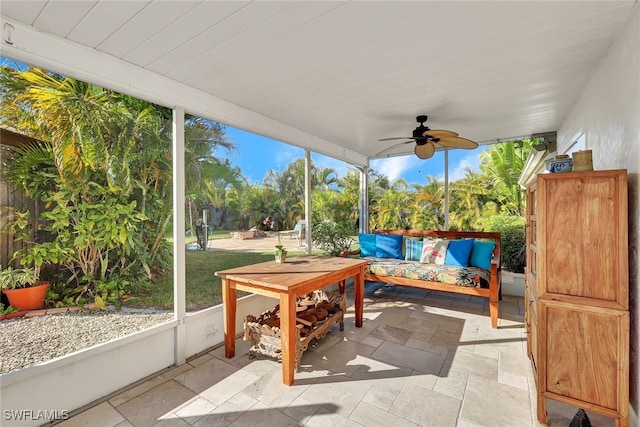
(413, 250)
(367, 244)
(458, 252)
(434, 251)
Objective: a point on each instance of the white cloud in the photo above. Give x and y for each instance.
(471, 161)
(286, 154)
(394, 167)
(339, 166)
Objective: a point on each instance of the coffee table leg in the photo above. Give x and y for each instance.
(229, 310)
(288, 336)
(358, 296)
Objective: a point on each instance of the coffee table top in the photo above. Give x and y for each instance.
(295, 272)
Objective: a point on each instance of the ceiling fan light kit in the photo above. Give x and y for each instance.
(426, 139)
(425, 151)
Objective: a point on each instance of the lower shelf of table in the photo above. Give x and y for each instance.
(266, 340)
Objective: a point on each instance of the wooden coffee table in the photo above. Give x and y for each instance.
(287, 281)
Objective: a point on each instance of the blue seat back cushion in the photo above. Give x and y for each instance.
(458, 252)
(388, 246)
(367, 244)
(481, 254)
(413, 250)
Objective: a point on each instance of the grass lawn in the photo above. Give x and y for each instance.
(203, 287)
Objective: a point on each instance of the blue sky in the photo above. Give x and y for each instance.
(255, 155)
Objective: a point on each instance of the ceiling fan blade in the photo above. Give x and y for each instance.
(391, 149)
(397, 137)
(425, 151)
(440, 133)
(458, 142)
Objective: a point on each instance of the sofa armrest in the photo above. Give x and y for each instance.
(345, 254)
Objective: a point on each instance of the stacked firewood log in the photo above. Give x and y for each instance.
(309, 312)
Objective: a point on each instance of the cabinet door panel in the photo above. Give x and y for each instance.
(585, 352)
(582, 236)
(582, 239)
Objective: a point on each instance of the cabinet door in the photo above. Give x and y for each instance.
(582, 237)
(585, 351)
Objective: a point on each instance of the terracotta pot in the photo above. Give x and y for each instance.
(30, 298)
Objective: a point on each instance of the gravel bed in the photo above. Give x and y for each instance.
(34, 340)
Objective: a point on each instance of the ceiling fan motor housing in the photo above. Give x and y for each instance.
(418, 132)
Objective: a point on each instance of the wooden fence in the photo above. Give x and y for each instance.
(11, 201)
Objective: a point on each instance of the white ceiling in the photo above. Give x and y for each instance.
(353, 72)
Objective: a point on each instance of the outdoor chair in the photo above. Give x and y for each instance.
(298, 232)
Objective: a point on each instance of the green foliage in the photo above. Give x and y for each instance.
(502, 164)
(513, 244)
(97, 236)
(103, 169)
(11, 278)
(61, 295)
(333, 237)
(7, 310)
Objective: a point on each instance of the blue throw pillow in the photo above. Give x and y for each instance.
(481, 254)
(389, 246)
(367, 244)
(458, 252)
(413, 250)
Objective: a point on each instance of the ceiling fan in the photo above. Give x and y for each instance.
(426, 140)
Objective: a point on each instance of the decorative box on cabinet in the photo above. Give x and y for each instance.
(577, 295)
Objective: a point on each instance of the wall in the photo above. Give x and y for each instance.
(87, 376)
(205, 328)
(67, 383)
(609, 112)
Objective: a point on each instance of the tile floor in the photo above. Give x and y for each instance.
(421, 359)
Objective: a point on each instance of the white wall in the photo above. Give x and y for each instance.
(205, 329)
(71, 382)
(609, 112)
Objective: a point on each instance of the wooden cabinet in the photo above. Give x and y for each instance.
(577, 291)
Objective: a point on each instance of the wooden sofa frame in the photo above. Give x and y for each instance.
(492, 293)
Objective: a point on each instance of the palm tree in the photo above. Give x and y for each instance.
(503, 164)
(394, 206)
(88, 128)
(349, 194)
(428, 205)
(468, 197)
(325, 178)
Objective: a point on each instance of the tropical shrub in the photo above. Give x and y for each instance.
(513, 245)
(333, 237)
(97, 237)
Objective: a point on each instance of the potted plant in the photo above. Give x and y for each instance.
(280, 253)
(22, 288)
